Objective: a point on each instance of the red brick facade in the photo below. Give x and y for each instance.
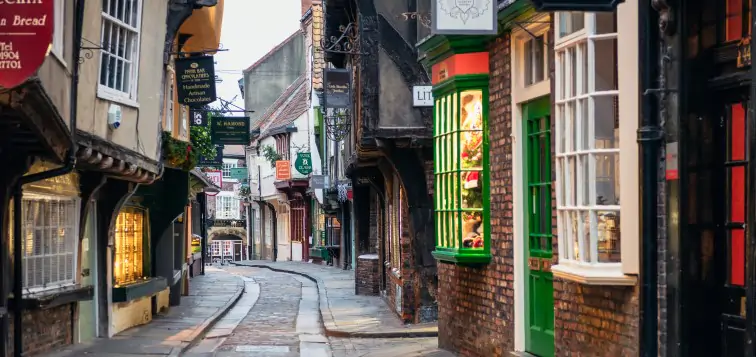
(476, 305)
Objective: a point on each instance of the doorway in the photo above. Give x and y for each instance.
(539, 294)
(716, 214)
(88, 317)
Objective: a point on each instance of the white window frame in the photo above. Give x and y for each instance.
(71, 247)
(226, 168)
(227, 206)
(59, 30)
(126, 97)
(571, 267)
(170, 93)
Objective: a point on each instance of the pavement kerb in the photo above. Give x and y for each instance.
(195, 336)
(329, 324)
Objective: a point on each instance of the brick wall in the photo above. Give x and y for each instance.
(366, 275)
(476, 305)
(375, 207)
(45, 330)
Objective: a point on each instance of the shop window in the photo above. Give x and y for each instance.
(128, 266)
(587, 142)
(50, 235)
(461, 172)
(570, 22)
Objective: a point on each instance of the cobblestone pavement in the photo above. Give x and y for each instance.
(279, 316)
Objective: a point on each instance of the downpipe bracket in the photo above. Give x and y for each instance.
(650, 133)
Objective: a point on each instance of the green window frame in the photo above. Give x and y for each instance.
(461, 170)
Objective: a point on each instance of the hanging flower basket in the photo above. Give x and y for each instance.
(178, 154)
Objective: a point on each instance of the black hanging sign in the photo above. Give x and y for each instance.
(576, 5)
(338, 83)
(230, 130)
(198, 118)
(196, 80)
(213, 161)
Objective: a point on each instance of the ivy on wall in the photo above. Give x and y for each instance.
(271, 155)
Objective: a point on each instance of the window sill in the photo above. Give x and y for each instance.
(138, 290)
(467, 257)
(53, 298)
(60, 60)
(593, 275)
(111, 95)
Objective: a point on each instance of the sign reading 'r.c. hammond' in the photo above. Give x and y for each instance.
(230, 130)
(338, 92)
(196, 80)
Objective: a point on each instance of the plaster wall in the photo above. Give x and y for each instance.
(395, 101)
(55, 72)
(265, 83)
(141, 112)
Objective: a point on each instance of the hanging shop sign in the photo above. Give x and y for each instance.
(318, 181)
(230, 130)
(199, 118)
(303, 163)
(26, 31)
(338, 83)
(574, 5)
(213, 161)
(422, 96)
(196, 80)
(283, 170)
(464, 17)
(215, 176)
(239, 173)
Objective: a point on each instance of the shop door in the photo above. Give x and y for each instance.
(717, 176)
(88, 309)
(237, 251)
(539, 315)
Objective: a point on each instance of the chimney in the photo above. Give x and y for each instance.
(306, 5)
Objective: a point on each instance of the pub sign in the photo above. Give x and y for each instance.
(338, 83)
(230, 130)
(195, 77)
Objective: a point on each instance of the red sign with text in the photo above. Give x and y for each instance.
(26, 30)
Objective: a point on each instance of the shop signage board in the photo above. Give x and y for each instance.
(196, 80)
(230, 130)
(213, 161)
(239, 173)
(303, 163)
(283, 170)
(318, 181)
(576, 5)
(422, 96)
(338, 83)
(199, 117)
(464, 17)
(215, 176)
(26, 30)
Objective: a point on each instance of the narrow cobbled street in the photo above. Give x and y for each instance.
(278, 316)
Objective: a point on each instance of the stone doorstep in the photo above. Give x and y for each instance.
(331, 328)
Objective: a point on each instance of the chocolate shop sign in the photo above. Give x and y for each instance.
(196, 80)
(337, 88)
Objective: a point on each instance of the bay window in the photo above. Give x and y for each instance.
(588, 134)
(227, 206)
(128, 265)
(461, 191)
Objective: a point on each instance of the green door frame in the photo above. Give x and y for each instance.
(539, 292)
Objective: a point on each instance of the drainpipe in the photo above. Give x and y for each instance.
(650, 137)
(18, 277)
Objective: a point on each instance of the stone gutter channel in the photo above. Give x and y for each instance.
(312, 340)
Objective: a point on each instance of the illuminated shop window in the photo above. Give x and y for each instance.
(128, 266)
(461, 171)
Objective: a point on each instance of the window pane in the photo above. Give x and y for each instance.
(574, 237)
(606, 64)
(570, 22)
(608, 225)
(585, 234)
(606, 22)
(607, 179)
(585, 180)
(606, 122)
(583, 125)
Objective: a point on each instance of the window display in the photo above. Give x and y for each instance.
(128, 266)
(460, 176)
